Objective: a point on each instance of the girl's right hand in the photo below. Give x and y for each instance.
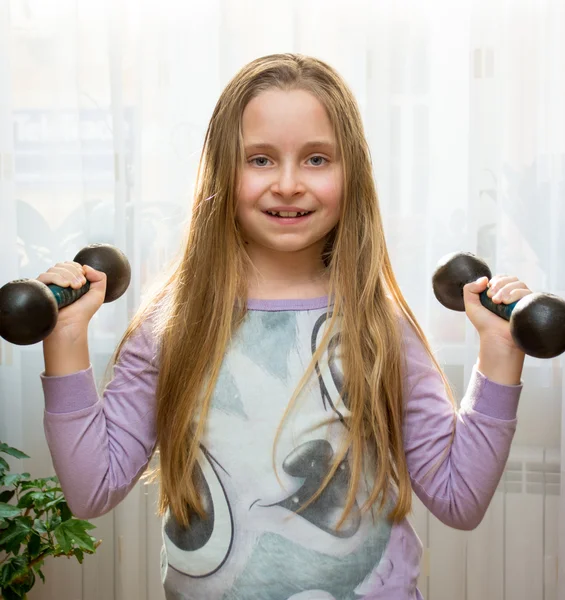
(76, 316)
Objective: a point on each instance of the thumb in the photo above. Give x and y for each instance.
(97, 279)
(472, 290)
(93, 275)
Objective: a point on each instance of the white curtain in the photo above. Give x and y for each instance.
(103, 109)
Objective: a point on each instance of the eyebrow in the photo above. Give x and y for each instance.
(307, 146)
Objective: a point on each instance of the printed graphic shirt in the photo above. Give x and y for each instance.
(256, 544)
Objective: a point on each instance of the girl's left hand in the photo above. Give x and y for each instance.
(502, 289)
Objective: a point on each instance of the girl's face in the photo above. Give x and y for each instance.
(291, 167)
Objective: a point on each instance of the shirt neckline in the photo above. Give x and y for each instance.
(287, 304)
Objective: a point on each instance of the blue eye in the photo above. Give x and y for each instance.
(259, 158)
(254, 160)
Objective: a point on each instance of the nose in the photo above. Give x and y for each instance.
(287, 181)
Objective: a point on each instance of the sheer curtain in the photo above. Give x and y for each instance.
(103, 109)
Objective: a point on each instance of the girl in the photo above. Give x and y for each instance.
(278, 370)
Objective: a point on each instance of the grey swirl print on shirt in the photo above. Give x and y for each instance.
(257, 543)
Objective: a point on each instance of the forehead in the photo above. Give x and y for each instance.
(285, 118)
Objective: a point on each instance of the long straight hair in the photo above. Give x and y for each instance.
(202, 301)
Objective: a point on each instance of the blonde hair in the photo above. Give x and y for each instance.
(203, 300)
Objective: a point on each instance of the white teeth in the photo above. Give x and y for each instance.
(286, 213)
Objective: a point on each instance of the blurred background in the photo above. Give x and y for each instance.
(103, 110)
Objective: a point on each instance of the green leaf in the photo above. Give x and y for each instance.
(32, 484)
(81, 525)
(13, 568)
(5, 573)
(7, 510)
(15, 534)
(37, 566)
(65, 511)
(56, 499)
(53, 500)
(52, 523)
(39, 500)
(79, 554)
(64, 537)
(34, 545)
(40, 496)
(44, 483)
(12, 547)
(11, 594)
(13, 479)
(7, 495)
(26, 500)
(12, 451)
(5, 466)
(26, 580)
(74, 531)
(39, 526)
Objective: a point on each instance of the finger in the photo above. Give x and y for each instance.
(498, 282)
(60, 276)
(76, 269)
(515, 295)
(68, 271)
(504, 293)
(75, 265)
(73, 269)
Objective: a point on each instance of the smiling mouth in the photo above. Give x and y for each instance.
(288, 214)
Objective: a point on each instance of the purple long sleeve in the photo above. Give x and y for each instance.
(100, 447)
(459, 490)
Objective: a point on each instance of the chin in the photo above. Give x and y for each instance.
(291, 247)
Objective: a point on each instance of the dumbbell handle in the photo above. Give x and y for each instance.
(29, 308)
(537, 321)
(502, 310)
(67, 295)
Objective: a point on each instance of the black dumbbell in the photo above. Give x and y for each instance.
(537, 321)
(29, 308)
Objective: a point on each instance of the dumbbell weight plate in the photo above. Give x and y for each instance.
(109, 260)
(538, 325)
(29, 309)
(29, 325)
(452, 273)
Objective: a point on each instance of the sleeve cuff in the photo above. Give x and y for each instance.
(69, 393)
(490, 398)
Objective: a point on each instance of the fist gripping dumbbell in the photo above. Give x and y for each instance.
(537, 321)
(29, 308)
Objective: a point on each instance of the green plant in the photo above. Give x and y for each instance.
(35, 525)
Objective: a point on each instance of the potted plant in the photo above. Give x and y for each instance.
(35, 523)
